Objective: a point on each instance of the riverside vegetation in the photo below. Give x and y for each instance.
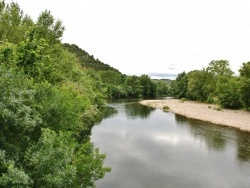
(215, 84)
(51, 94)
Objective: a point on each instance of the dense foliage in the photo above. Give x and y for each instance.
(48, 104)
(114, 83)
(215, 84)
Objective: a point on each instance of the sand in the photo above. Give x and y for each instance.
(239, 119)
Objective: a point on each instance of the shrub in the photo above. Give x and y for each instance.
(166, 108)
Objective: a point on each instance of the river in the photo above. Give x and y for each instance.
(149, 148)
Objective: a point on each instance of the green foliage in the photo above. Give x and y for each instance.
(48, 29)
(161, 88)
(166, 108)
(89, 165)
(245, 92)
(50, 160)
(57, 160)
(215, 84)
(18, 112)
(13, 23)
(115, 84)
(48, 104)
(111, 77)
(148, 87)
(196, 81)
(133, 87)
(88, 61)
(245, 70)
(228, 89)
(180, 85)
(219, 68)
(8, 54)
(209, 88)
(12, 176)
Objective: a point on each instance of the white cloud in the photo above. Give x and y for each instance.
(146, 36)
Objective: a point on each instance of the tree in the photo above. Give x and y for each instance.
(18, 113)
(49, 29)
(219, 68)
(133, 87)
(58, 160)
(13, 23)
(11, 176)
(161, 88)
(148, 87)
(245, 92)
(245, 70)
(179, 86)
(196, 81)
(215, 69)
(111, 77)
(228, 90)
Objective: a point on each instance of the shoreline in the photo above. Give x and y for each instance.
(238, 119)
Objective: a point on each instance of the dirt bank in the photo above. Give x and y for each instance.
(234, 118)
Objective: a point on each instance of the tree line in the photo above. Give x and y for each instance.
(115, 84)
(48, 104)
(215, 84)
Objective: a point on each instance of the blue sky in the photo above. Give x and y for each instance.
(155, 37)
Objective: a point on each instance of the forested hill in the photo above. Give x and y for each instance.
(114, 83)
(87, 60)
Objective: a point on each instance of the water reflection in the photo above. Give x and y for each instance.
(243, 147)
(136, 110)
(212, 135)
(107, 112)
(148, 148)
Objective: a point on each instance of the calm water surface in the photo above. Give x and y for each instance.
(149, 148)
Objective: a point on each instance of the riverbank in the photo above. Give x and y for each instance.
(239, 119)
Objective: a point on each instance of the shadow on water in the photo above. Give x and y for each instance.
(243, 146)
(216, 136)
(107, 112)
(212, 135)
(136, 110)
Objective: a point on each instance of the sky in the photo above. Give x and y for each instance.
(161, 38)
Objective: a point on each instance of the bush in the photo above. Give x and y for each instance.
(166, 108)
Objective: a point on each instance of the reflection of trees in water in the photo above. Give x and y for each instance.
(135, 110)
(215, 136)
(212, 135)
(243, 146)
(106, 112)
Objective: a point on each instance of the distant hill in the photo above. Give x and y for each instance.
(87, 60)
(167, 81)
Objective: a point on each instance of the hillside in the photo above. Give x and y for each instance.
(87, 60)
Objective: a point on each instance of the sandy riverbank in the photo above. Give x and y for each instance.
(234, 118)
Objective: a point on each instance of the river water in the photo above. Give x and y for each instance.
(149, 148)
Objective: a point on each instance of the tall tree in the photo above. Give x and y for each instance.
(49, 29)
(219, 68)
(179, 86)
